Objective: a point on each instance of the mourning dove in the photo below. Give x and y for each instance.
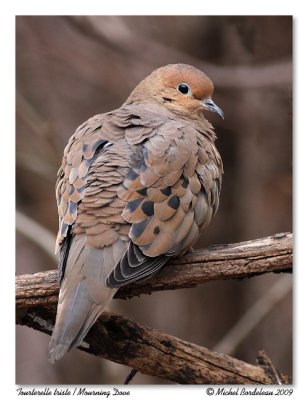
(136, 187)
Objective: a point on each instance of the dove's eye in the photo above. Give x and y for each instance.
(183, 88)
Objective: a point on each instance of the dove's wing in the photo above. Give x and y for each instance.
(172, 191)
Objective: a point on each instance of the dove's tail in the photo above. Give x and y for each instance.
(83, 294)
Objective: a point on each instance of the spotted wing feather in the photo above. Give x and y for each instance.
(168, 200)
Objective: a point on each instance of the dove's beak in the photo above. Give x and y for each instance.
(210, 105)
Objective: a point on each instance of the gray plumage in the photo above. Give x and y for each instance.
(136, 187)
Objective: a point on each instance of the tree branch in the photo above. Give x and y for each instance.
(124, 341)
(228, 261)
(154, 353)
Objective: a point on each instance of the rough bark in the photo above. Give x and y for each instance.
(154, 353)
(228, 261)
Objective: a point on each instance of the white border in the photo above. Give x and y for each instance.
(7, 196)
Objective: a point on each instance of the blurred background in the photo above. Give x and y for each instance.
(70, 68)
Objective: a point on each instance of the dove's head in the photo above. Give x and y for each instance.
(181, 88)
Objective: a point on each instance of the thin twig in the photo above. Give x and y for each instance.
(36, 233)
(253, 316)
(30, 116)
(41, 163)
(35, 164)
(266, 363)
(130, 376)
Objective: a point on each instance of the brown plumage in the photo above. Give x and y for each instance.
(136, 187)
